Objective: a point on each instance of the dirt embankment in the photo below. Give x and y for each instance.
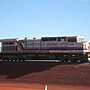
(45, 73)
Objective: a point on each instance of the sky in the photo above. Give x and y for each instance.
(40, 18)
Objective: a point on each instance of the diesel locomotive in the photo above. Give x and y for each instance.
(62, 49)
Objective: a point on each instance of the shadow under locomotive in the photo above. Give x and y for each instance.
(17, 69)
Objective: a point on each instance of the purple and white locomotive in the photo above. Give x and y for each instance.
(63, 49)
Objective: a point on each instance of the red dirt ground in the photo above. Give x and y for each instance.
(23, 86)
(34, 76)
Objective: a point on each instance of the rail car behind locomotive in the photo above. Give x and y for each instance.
(66, 48)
